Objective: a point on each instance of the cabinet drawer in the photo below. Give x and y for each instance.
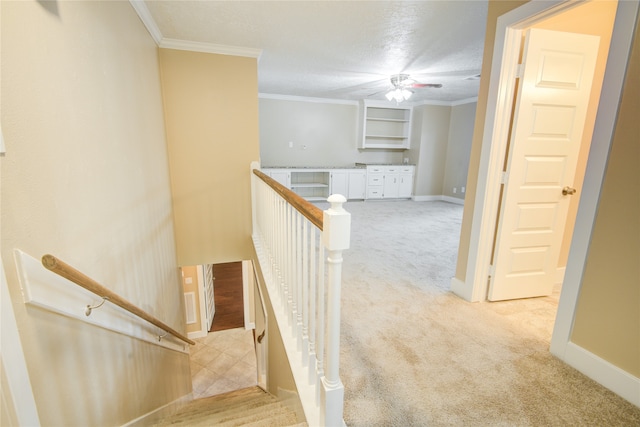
(375, 169)
(375, 179)
(406, 169)
(374, 193)
(392, 169)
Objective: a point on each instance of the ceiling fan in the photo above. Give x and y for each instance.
(402, 85)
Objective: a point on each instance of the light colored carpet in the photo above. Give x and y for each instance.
(414, 354)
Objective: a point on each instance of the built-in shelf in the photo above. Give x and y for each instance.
(385, 126)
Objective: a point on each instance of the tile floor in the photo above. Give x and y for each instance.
(223, 361)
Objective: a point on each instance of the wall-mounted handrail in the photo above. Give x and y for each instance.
(306, 208)
(63, 269)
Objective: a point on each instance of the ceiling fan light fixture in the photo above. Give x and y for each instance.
(399, 94)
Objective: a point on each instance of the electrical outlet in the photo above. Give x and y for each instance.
(290, 144)
(462, 190)
(188, 280)
(455, 190)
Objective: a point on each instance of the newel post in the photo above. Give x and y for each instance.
(336, 238)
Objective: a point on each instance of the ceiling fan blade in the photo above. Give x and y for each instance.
(420, 85)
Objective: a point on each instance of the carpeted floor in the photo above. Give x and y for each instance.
(414, 354)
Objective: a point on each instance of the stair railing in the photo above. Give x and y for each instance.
(63, 269)
(291, 237)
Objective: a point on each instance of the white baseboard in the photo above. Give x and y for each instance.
(461, 289)
(196, 334)
(438, 198)
(559, 276)
(603, 372)
(453, 200)
(164, 411)
(427, 198)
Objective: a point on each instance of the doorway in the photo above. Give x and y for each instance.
(228, 296)
(474, 284)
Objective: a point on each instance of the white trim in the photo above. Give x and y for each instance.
(603, 372)
(427, 198)
(453, 200)
(559, 276)
(612, 86)
(163, 411)
(306, 99)
(46, 290)
(219, 49)
(145, 16)
(460, 288)
(197, 334)
(431, 102)
(19, 393)
(464, 101)
(202, 303)
(246, 281)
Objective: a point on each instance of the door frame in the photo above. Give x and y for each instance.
(509, 29)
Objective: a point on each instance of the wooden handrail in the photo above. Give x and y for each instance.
(309, 210)
(63, 269)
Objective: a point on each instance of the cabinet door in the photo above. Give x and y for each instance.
(283, 177)
(391, 183)
(405, 186)
(340, 183)
(357, 184)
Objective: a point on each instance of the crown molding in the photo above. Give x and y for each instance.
(306, 99)
(464, 101)
(210, 48)
(145, 16)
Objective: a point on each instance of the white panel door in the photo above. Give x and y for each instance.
(546, 136)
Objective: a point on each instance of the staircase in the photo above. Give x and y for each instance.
(246, 407)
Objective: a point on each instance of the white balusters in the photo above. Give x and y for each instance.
(295, 249)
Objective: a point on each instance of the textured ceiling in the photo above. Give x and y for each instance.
(341, 49)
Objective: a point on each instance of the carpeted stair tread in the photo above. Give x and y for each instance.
(246, 407)
(271, 413)
(212, 407)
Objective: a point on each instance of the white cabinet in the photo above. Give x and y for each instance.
(357, 184)
(385, 126)
(389, 182)
(375, 182)
(340, 182)
(283, 176)
(405, 185)
(312, 184)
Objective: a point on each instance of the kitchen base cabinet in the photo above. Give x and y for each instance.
(340, 182)
(357, 184)
(389, 182)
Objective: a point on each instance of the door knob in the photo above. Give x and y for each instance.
(568, 191)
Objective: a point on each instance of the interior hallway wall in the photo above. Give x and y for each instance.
(322, 134)
(85, 177)
(458, 149)
(211, 113)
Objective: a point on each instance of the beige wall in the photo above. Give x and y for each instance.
(323, 134)
(429, 148)
(458, 149)
(607, 321)
(211, 113)
(86, 178)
